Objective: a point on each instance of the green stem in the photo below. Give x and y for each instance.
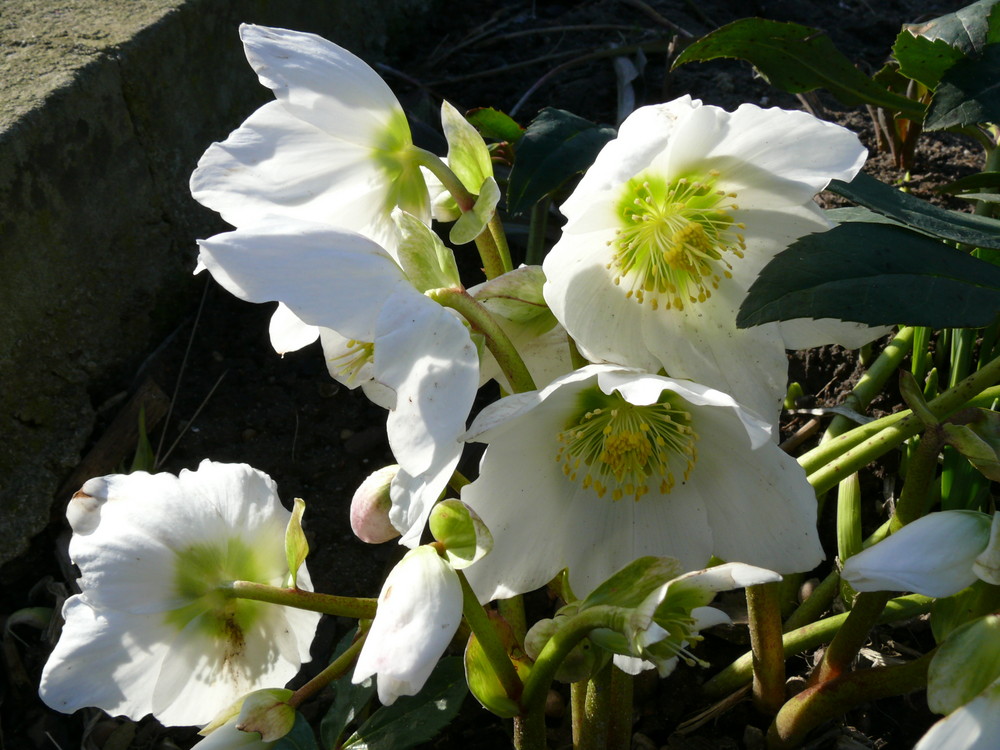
(497, 341)
(620, 729)
(489, 641)
(850, 637)
(764, 613)
(337, 669)
(740, 672)
(495, 227)
(436, 166)
(596, 712)
(913, 500)
(535, 252)
(828, 700)
(342, 606)
(817, 603)
(874, 380)
(943, 406)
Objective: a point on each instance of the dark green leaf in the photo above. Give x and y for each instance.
(857, 213)
(494, 124)
(556, 145)
(968, 94)
(922, 59)
(969, 29)
(349, 700)
(967, 229)
(300, 738)
(796, 59)
(412, 720)
(876, 274)
(977, 181)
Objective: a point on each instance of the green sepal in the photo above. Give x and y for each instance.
(468, 156)
(267, 712)
(964, 665)
(300, 737)
(471, 224)
(481, 677)
(630, 586)
(461, 532)
(517, 296)
(424, 258)
(978, 440)
(296, 546)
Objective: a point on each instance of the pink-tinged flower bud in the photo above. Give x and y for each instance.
(370, 507)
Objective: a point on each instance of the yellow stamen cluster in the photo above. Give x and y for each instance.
(671, 248)
(626, 449)
(357, 355)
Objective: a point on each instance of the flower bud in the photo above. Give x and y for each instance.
(370, 507)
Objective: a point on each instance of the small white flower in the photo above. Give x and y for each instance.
(420, 353)
(606, 465)
(974, 726)
(419, 610)
(937, 555)
(674, 221)
(334, 147)
(153, 631)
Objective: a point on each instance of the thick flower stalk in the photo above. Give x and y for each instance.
(420, 355)
(333, 147)
(153, 631)
(607, 464)
(419, 610)
(671, 225)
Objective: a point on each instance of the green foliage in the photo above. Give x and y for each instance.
(978, 231)
(877, 274)
(556, 146)
(795, 59)
(968, 94)
(412, 720)
(349, 701)
(300, 738)
(495, 125)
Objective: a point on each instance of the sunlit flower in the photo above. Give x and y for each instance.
(419, 610)
(674, 221)
(974, 726)
(334, 147)
(937, 555)
(606, 464)
(153, 631)
(420, 353)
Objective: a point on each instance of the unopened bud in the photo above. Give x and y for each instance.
(370, 507)
(267, 713)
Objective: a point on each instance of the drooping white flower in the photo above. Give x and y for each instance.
(936, 555)
(419, 352)
(974, 726)
(419, 610)
(152, 631)
(673, 222)
(607, 464)
(334, 147)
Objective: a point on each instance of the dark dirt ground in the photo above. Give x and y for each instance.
(237, 401)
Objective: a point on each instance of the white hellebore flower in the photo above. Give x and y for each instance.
(419, 610)
(152, 631)
(421, 352)
(334, 147)
(606, 465)
(974, 726)
(671, 225)
(937, 555)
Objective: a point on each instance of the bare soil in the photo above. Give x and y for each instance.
(235, 400)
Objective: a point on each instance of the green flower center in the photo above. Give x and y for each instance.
(617, 446)
(393, 152)
(200, 570)
(671, 249)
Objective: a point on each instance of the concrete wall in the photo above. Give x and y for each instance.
(105, 107)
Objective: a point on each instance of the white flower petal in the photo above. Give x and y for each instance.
(419, 610)
(288, 333)
(320, 82)
(974, 726)
(932, 556)
(987, 564)
(327, 277)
